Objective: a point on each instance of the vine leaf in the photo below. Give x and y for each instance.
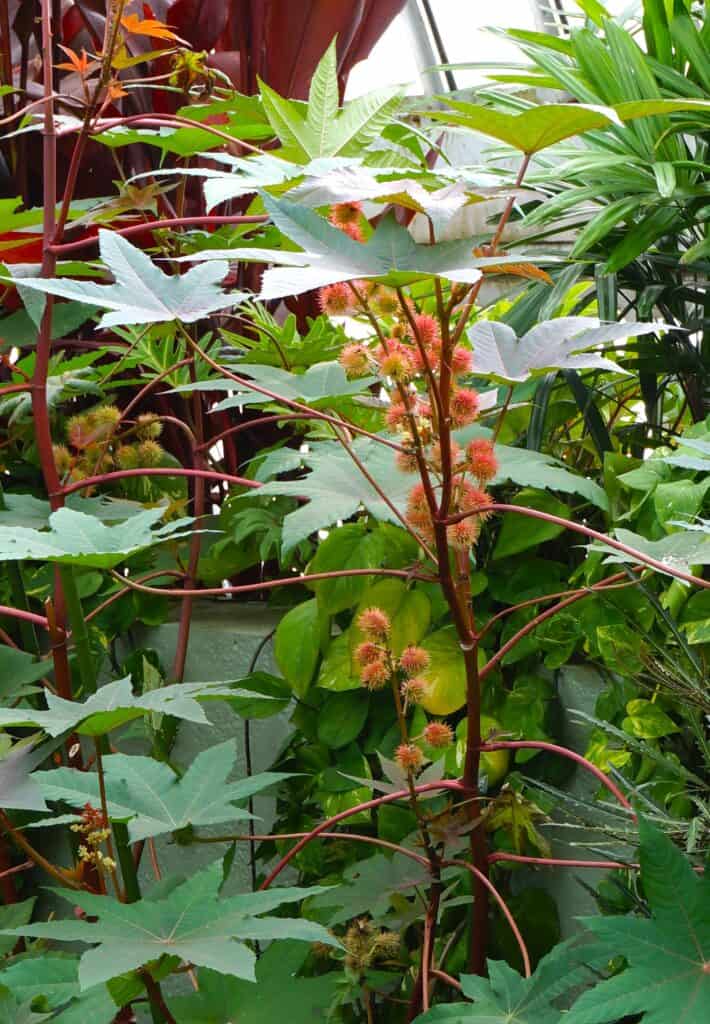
(141, 293)
(115, 704)
(153, 798)
(668, 978)
(75, 538)
(277, 985)
(554, 345)
(390, 255)
(188, 920)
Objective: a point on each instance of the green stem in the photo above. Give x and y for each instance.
(80, 634)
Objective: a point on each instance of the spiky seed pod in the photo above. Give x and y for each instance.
(472, 498)
(335, 299)
(345, 213)
(464, 407)
(396, 417)
(387, 946)
(127, 456)
(435, 455)
(148, 427)
(368, 652)
(385, 301)
(427, 328)
(375, 675)
(461, 360)
(396, 362)
(481, 460)
(407, 461)
(355, 360)
(438, 734)
(150, 453)
(413, 660)
(409, 757)
(62, 459)
(414, 690)
(463, 535)
(374, 623)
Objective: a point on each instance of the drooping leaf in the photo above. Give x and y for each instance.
(12, 915)
(26, 510)
(189, 920)
(533, 129)
(18, 788)
(277, 986)
(352, 546)
(75, 538)
(297, 645)
(667, 977)
(141, 292)
(114, 705)
(18, 671)
(558, 344)
(153, 798)
(677, 551)
(520, 533)
(390, 255)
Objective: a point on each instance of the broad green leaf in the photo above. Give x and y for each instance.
(51, 979)
(647, 720)
(519, 533)
(336, 671)
(445, 674)
(222, 999)
(341, 717)
(678, 551)
(558, 344)
(352, 546)
(538, 469)
(12, 915)
(390, 255)
(26, 510)
(320, 128)
(18, 671)
(297, 645)
(533, 129)
(11, 1012)
(368, 885)
(408, 609)
(190, 921)
(141, 293)
(114, 705)
(153, 798)
(18, 788)
(667, 978)
(75, 538)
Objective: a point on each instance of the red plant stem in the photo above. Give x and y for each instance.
(291, 403)
(355, 836)
(247, 588)
(571, 755)
(168, 121)
(158, 225)
(17, 869)
(436, 972)
(556, 862)
(122, 593)
(505, 217)
(485, 881)
(368, 805)
(569, 524)
(13, 389)
(122, 474)
(549, 613)
(20, 613)
(260, 421)
(140, 395)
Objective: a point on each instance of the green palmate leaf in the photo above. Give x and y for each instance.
(141, 293)
(18, 671)
(505, 997)
(221, 999)
(320, 128)
(677, 551)
(667, 977)
(188, 920)
(368, 886)
(75, 538)
(390, 255)
(518, 533)
(26, 510)
(152, 798)
(533, 129)
(114, 705)
(319, 384)
(12, 1012)
(53, 978)
(12, 915)
(558, 344)
(17, 787)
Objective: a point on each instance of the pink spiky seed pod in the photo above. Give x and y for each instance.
(472, 498)
(435, 455)
(385, 301)
(417, 502)
(407, 461)
(368, 652)
(427, 327)
(463, 535)
(414, 690)
(461, 360)
(481, 460)
(396, 417)
(335, 299)
(409, 757)
(413, 660)
(374, 623)
(375, 676)
(355, 360)
(345, 213)
(438, 734)
(464, 407)
(397, 361)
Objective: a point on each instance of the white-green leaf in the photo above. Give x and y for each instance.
(141, 293)
(677, 551)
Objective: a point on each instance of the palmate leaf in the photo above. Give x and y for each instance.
(53, 978)
(152, 798)
(189, 920)
(554, 345)
(141, 292)
(677, 551)
(18, 789)
(667, 978)
(533, 129)
(26, 510)
(222, 999)
(390, 255)
(75, 538)
(320, 128)
(115, 704)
